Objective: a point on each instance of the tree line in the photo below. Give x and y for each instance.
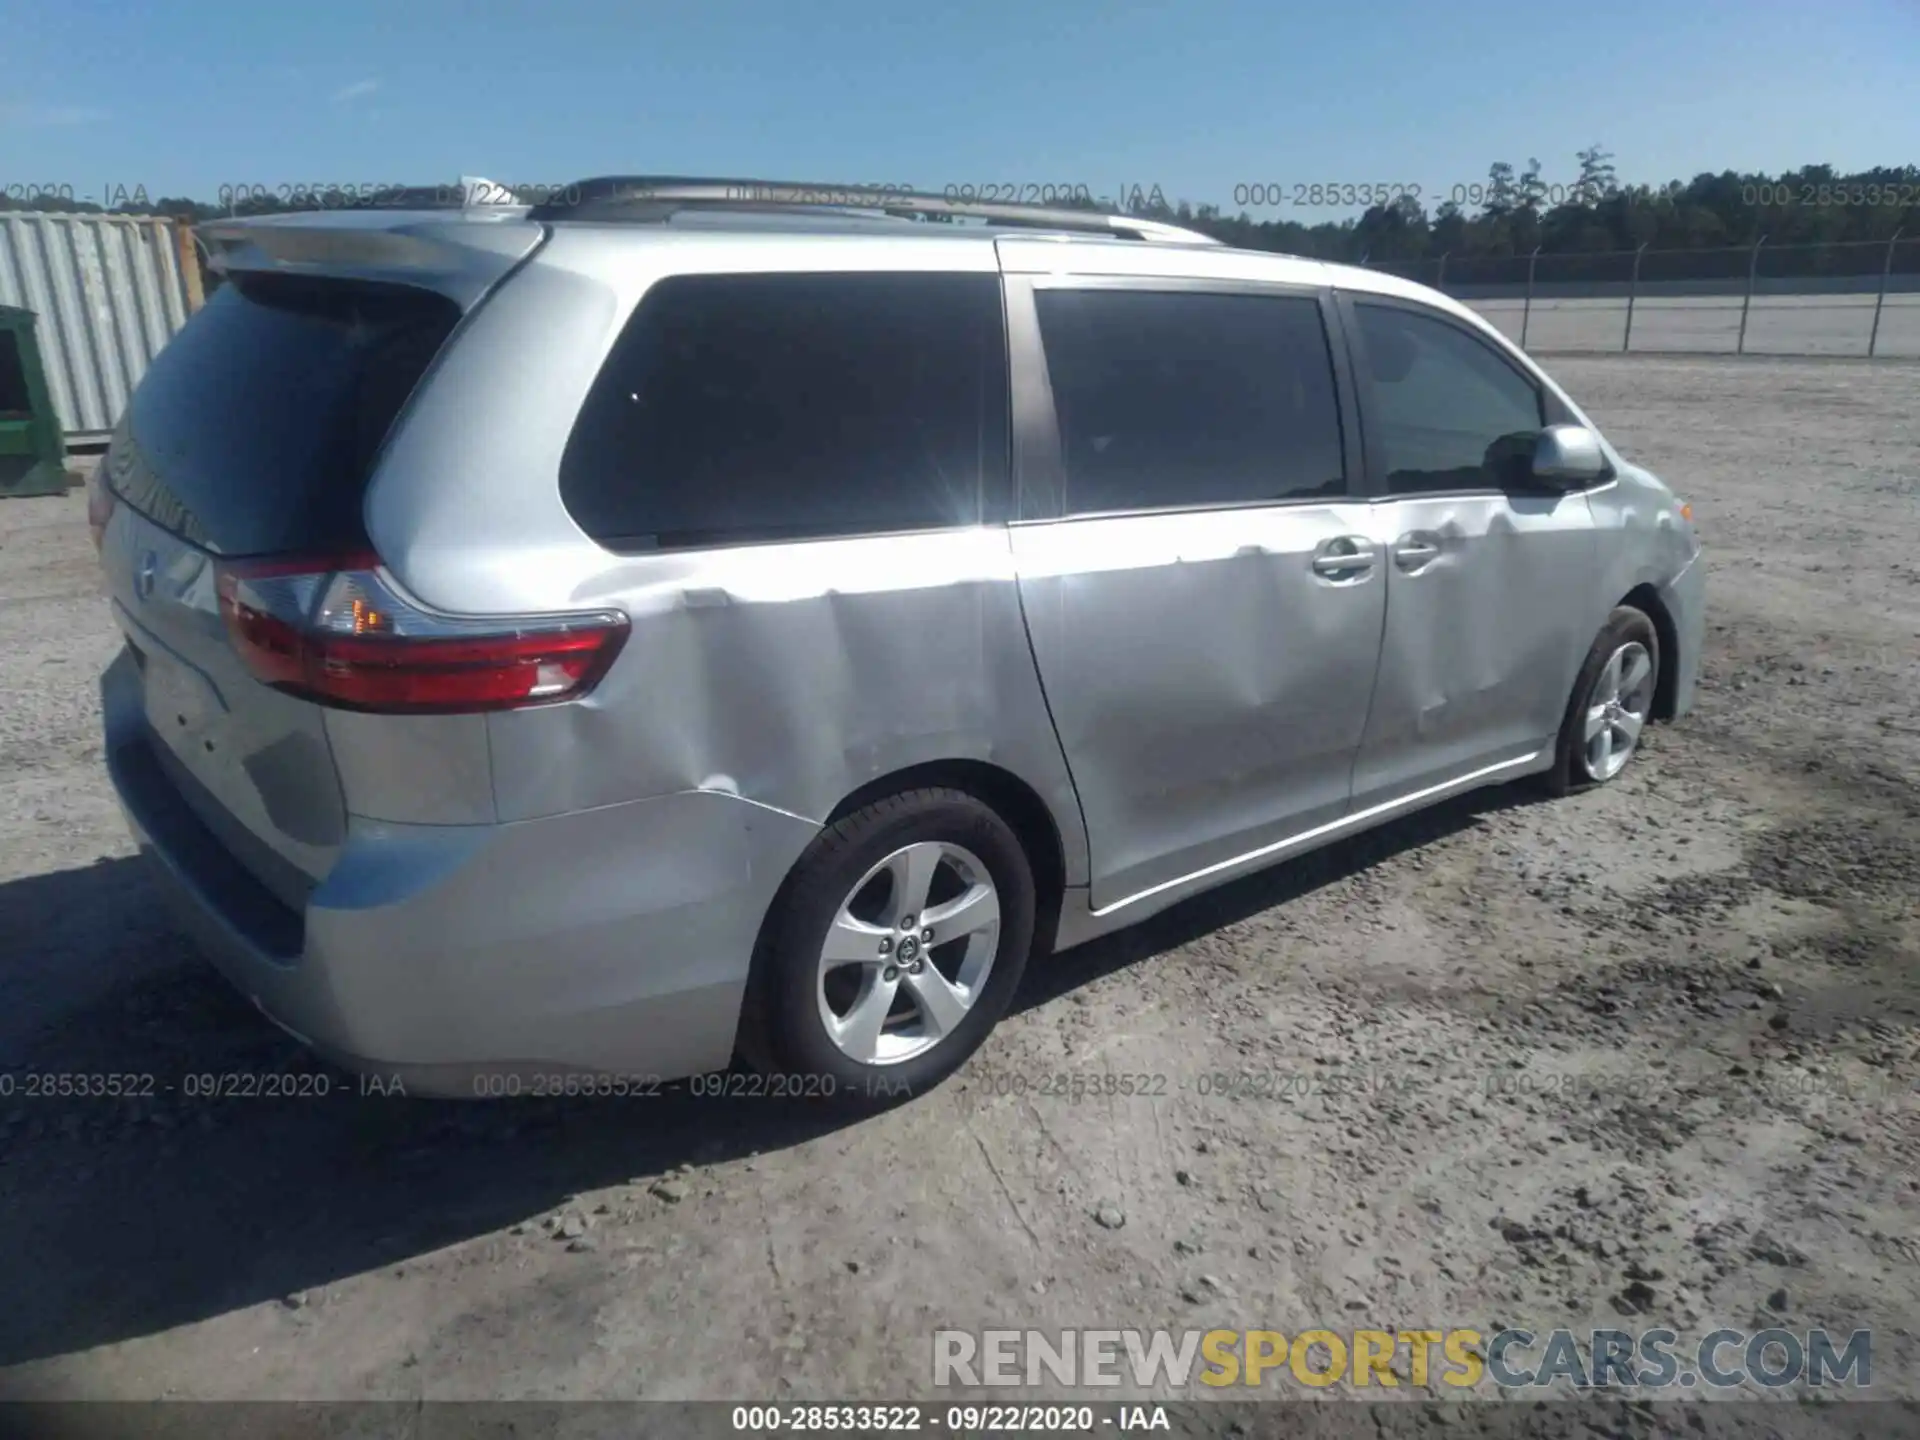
(1518, 213)
(1514, 213)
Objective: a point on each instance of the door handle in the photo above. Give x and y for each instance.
(1412, 551)
(1346, 555)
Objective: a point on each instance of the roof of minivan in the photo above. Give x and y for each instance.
(503, 230)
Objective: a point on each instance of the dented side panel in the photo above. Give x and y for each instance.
(792, 675)
(1209, 687)
(1483, 641)
(788, 674)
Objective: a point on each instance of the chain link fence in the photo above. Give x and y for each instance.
(1850, 298)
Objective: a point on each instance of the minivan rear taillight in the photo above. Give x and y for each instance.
(338, 632)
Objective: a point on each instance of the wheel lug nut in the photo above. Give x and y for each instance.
(906, 922)
(886, 944)
(926, 936)
(889, 973)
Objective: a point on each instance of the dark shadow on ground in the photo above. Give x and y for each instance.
(134, 1212)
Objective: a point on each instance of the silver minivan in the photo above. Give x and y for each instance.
(576, 646)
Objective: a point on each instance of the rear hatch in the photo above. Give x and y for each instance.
(253, 435)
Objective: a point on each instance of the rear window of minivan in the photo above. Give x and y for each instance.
(255, 429)
(741, 408)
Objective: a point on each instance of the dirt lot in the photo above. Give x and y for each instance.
(1651, 1049)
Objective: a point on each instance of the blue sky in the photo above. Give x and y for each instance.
(1196, 98)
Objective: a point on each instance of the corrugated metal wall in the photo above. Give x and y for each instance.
(110, 290)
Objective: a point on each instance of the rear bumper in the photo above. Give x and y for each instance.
(1685, 597)
(475, 959)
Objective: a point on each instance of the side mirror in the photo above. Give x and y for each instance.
(1568, 457)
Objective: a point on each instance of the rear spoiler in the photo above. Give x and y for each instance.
(460, 254)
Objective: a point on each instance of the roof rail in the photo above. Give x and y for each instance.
(660, 197)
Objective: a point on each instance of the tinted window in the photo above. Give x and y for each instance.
(749, 407)
(254, 429)
(1186, 399)
(1450, 414)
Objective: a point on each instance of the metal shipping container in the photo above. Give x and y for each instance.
(110, 290)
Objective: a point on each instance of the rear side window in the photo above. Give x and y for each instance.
(256, 427)
(1170, 398)
(736, 408)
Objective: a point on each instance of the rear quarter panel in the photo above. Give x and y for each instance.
(787, 674)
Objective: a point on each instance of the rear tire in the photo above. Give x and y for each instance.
(1611, 704)
(894, 947)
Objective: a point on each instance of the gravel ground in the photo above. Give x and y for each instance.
(1648, 1051)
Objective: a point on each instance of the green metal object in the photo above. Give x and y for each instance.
(33, 454)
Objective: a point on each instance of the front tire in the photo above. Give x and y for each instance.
(1611, 704)
(895, 946)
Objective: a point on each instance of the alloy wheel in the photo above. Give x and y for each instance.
(1617, 710)
(908, 952)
